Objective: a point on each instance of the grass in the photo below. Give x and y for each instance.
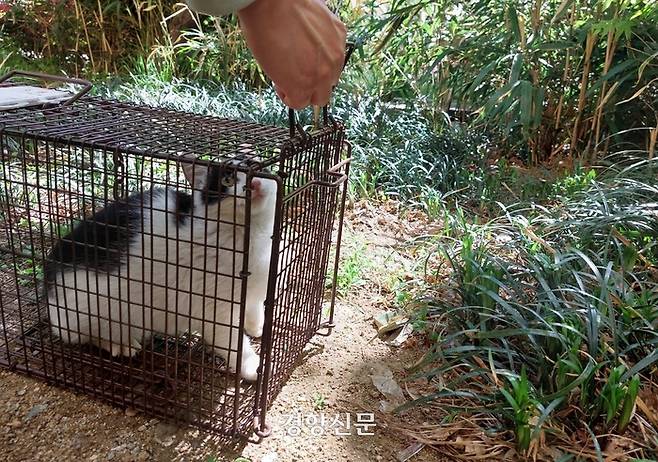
(551, 332)
(319, 401)
(352, 269)
(398, 152)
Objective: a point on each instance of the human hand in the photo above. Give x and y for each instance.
(299, 44)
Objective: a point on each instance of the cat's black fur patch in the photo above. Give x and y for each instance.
(184, 205)
(215, 190)
(99, 241)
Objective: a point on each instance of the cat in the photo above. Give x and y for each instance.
(123, 273)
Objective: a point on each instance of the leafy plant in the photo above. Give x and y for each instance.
(319, 402)
(550, 77)
(519, 398)
(617, 396)
(553, 325)
(350, 272)
(29, 271)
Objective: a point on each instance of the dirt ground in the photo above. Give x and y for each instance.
(44, 423)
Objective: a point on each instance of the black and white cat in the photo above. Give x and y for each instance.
(164, 261)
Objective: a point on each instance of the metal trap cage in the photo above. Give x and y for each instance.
(143, 250)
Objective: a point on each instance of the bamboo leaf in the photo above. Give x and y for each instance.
(644, 65)
(515, 26)
(515, 71)
(637, 93)
(561, 10)
(486, 70)
(525, 99)
(538, 107)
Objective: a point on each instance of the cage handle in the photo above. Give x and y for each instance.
(86, 84)
(334, 172)
(295, 125)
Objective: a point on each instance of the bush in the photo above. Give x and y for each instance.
(396, 150)
(552, 77)
(553, 324)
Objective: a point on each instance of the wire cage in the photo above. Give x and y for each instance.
(169, 262)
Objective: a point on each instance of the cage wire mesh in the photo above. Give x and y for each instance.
(124, 277)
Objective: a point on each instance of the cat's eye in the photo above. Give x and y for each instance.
(228, 181)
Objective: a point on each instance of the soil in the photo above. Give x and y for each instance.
(44, 423)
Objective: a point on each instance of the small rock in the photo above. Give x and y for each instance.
(110, 455)
(130, 412)
(12, 407)
(15, 424)
(379, 458)
(76, 442)
(143, 456)
(166, 442)
(22, 391)
(141, 428)
(164, 434)
(35, 411)
(163, 429)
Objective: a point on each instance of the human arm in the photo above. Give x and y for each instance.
(299, 44)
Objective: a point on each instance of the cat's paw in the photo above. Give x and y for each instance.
(113, 348)
(249, 369)
(254, 329)
(117, 350)
(130, 351)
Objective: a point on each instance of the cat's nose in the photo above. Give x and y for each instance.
(256, 188)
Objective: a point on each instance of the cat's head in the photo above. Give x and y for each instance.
(222, 192)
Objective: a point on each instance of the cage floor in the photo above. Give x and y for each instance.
(171, 378)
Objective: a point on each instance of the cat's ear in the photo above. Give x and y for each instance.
(195, 174)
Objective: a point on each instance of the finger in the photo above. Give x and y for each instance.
(297, 103)
(291, 103)
(295, 99)
(321, 96)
